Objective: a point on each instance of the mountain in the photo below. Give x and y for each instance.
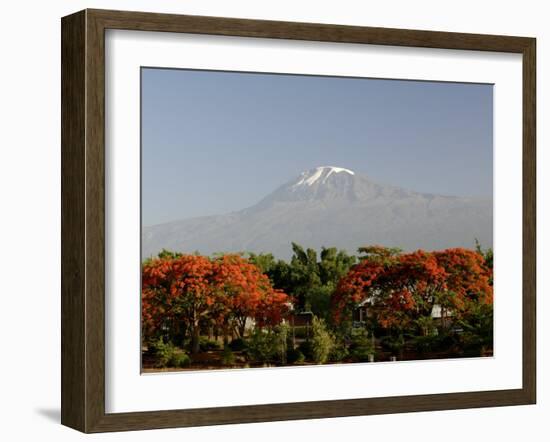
(332, 206)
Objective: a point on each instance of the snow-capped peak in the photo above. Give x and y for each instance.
(320, 174)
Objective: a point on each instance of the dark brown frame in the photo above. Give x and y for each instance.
(83, 216)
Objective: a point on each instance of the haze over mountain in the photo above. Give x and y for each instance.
(332, 207)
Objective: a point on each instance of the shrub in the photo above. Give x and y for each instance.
(478, 330)
(162, 352)
(238, 344)
(306, 348)
(168, 355)
(447, 339)
(426, 326)
(394, 344)
(295, 356)
(362, 346)
(206, 344)
(284, 341)
(322, 341)
(179, 359)
(263, 347)
(228, 358)
(426, 344)
(339, 352)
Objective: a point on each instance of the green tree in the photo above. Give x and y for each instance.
(487, 255)
(268, 346)
(378, 253)
(333, 265)
(322, 341)
(304, 273)
(478, 329)
(264, 261)
(320, 299)
(362, 345)
(278, 271)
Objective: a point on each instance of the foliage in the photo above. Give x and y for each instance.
(306, 348)
(402, 288)
(193, 291)
(294, 356)
(362, 345)
(319, 300)
(322, 341)
(426, 325)
(228, 358)
(308, 279)
(181, 289)
(264, 261)
(339, 350)
(263, 346)
(393, 343)
(250, 296)
(358, 286)
(487, 254)
(467, 277)
(426, 343)
(247, 293)
(333, 265)
(168, 355)
(162, 351)
(378, 253)
(238, 344)
(179, 359)
(272, 309)
(478, 329)
(206, 344)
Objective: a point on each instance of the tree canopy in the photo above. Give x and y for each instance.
(400, 288)
(195, 290)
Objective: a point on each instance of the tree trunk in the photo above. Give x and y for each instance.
(225, 334)
(242, 328)
(401, 347)
(195, 339)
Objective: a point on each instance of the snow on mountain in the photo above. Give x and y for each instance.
(332, 206)
(319, 174)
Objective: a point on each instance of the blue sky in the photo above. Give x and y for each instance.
(214, 142)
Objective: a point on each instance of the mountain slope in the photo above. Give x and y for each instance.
(332, 206)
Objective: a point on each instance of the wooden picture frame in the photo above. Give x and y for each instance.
(83, 220)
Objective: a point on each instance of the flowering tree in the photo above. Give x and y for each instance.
(403, 287)
(361, 284)
(183, 289)
(273, 307)
(155, 299)
(192, 290)
(247, 293)
(469, 279)
(412, 283)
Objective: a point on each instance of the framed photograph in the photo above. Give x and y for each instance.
(268, 220)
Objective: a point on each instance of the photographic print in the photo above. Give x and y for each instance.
(298, 220)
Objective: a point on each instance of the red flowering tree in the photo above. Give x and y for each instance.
(413, 284)
(468, 280)
(361, 284)
(190, 291)
(156, 311)
(247, 293)
(398, 288)
(403, 288)
(273, 307)
(182, 289)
